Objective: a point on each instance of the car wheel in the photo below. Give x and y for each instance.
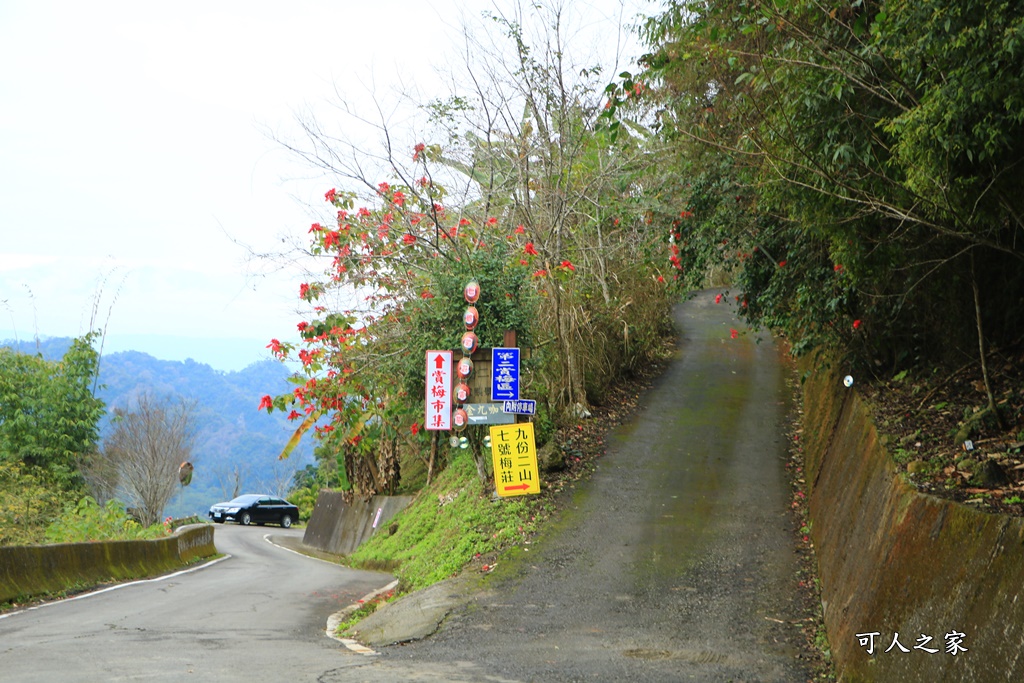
(245, 519)
(219, 521)
(286, 521)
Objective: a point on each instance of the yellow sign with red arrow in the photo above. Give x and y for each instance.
(514, 451)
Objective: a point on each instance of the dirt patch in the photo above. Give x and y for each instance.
(936, 427)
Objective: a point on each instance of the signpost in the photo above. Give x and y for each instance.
(488, 414)
(514, 452)
(521, 407)
(504, 374)
(439, 391)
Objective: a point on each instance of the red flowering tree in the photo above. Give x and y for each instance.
(401, 264)
(526, 189)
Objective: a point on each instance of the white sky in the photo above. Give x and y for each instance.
(132, 150)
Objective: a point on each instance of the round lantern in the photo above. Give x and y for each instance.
(471, 317)
(472, 291)
(465, 368)
(469, 342)
(462, 392)
(459, 419)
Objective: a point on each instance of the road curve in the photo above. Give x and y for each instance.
(676, 561)
(258, 615)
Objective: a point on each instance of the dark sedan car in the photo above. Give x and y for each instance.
(254, 508)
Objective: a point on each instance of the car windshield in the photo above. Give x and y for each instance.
(247, 499)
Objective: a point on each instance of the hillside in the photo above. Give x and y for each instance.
(234, 442)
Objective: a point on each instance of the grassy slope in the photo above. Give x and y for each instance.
(450, 524)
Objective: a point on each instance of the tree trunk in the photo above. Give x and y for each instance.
(981, 348)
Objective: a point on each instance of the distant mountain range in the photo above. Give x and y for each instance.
(235, 442)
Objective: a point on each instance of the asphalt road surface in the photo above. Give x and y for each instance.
(258, 615)
(676, 563)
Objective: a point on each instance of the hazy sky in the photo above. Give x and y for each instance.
(134, 155)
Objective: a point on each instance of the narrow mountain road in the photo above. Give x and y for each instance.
(676, 559)
(258, 615)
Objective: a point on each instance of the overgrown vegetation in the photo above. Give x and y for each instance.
(87, 520)
(440, 533)
(49, 426)
(517, 188)
(850, 172)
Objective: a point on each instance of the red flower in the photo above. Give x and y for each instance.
(567, 265)
(415, 428)
(316, 227)
(463, 222)
(685, 214)
(274, 346)
(856, 324)
(661, 279)
(733, 333)
(331, 194)
(398, 198)
(383, 188)
(782, 264)
(417, 150)
(294, 415)
(530, 249)
(303, 290)
(266, 402)
(718, 298)
(519, 230)
(426, 294)
(409, 239)
(837, 267)
(492, 221)
(302, 326)
(540, 273)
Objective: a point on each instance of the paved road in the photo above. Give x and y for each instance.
(676, 562)
(256, 616)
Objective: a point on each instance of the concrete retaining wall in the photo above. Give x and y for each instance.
(339, 528)
(894, 560)
(27, 571)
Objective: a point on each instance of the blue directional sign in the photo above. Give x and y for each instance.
(520, 407)
(504, 374)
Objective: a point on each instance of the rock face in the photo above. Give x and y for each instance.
(894, 561)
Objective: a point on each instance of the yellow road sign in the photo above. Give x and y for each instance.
(514, 451)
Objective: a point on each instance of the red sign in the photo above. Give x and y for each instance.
(439, 391)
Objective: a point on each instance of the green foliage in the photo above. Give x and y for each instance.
(87, 520)
(871, 148)
(27, 505)
(446, 526)
(49, 415)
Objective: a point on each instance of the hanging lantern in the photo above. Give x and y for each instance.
(462, 392)
(471, 317)
(472, 291)
(469, 343)
(465, 368)
(459, 419)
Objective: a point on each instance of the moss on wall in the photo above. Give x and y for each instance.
(28, 571)
(894, 560)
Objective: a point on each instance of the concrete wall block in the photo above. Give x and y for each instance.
(894, 560)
